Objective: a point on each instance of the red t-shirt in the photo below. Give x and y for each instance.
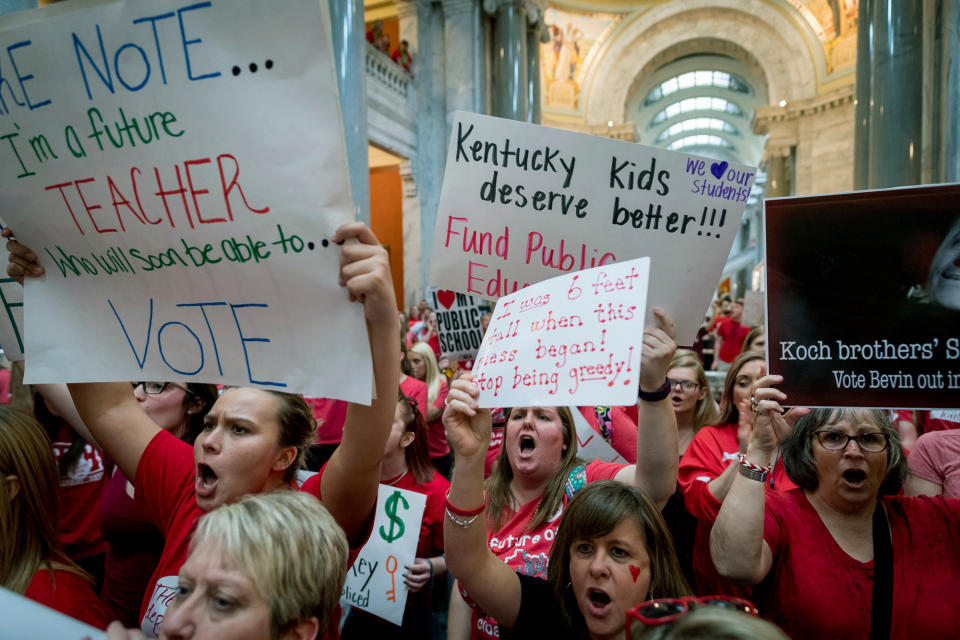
(710, 453)
(437, 445)
(413, 388)
(496, 443)
(931, 420)
(80, 493)
(165, 484)
(69, 594)
(431, 528)
(622, 428)
(818, 591)
(732, 334)
(528, 552)
(134, 545)
(330, 415)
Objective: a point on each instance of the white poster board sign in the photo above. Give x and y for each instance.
(949, 415)
(569, 340)
(521, 203)
(24, 618)
(179, 168)
(590, 444)
(458, 322)
(375, 579)
(11, 310)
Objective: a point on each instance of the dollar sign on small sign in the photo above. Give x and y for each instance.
(396, 524)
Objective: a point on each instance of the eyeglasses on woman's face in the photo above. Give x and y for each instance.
(156, 388)
(685, 385)
(869, 441)
(666, 610)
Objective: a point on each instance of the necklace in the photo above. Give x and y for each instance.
(400, 477)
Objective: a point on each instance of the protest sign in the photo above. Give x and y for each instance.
(570, 340)
(458, 323)
(179, 168)
(590, 445)
(947, 416)
(375, 579)
(752, 309)
(24, 618)
(11, 311)
(521, 203)
(863, 298)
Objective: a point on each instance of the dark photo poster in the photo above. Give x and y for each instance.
(863, 298)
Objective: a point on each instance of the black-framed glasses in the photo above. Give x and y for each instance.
(156, 388)
(685, 385)
(870, 441)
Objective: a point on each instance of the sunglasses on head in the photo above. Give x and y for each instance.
(666, 610)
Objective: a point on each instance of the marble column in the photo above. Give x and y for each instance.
(430, 82)
(861, 127)
(534, 31)
(896, 93)
(950, 93)
(778, 179)
(349, 48)
(412, 238)
(510, 60)
(461, 52)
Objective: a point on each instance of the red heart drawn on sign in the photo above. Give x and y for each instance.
(446, 298)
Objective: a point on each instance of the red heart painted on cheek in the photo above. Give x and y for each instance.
(635, 572)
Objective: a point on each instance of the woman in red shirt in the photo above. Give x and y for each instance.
(709, 466)
(406, 465)
(424, 365)
(32, 561)
(253, 440)
(844, 555)
(538, 471)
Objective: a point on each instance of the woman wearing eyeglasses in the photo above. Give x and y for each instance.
(709, 466)
(134, 542)
(844, 555)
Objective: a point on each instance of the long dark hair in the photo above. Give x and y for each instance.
(416, 453)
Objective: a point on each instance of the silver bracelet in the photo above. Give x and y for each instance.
(461, 522)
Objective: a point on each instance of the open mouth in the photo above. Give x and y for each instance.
(855, 476)
(206, 481)
(599, 600)
(527, 445)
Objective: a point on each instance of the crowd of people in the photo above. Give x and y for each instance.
(176, 510)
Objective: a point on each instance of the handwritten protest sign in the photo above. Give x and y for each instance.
(590, 445)
(948, 416)
(570, 340)
(521, 203)
(865, 315)
(179, 167)
(375, 579)
(458, 323)
(24, 618)
(11, 311)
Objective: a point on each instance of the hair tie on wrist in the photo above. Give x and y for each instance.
(466, 513)
(654, 396)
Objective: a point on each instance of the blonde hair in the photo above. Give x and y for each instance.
(29, 539)
(705, 411)
(432, 377)
(291, 547)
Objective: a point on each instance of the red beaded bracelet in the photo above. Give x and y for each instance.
(464, 513)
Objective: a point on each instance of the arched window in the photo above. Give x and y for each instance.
(701, 103)
(700, 140)
(691, 79)
(694, 124)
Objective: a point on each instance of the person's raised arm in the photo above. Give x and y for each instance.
(737, 547)
(657, 450)
(350, 480)
(491, 583)
(110, 411)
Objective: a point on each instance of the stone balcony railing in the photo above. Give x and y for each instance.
(391, 104)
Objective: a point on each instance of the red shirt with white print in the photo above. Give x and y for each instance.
(81, 490)
(165, 484)
(528, 552)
